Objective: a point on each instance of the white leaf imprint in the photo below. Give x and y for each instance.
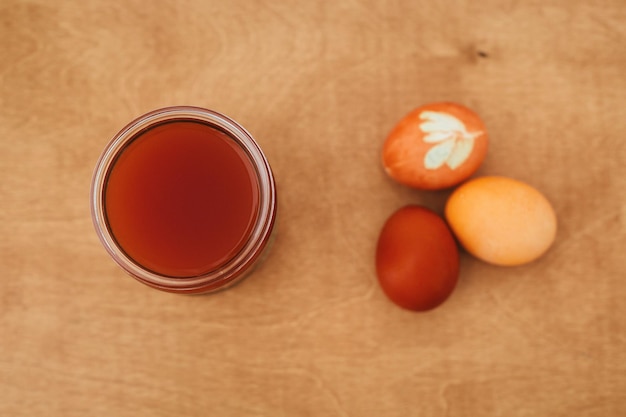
(454, 143)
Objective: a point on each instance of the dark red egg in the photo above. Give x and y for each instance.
(417, 259)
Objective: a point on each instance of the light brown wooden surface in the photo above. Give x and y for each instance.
(310, 333)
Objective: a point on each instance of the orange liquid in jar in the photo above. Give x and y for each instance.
(181, 198)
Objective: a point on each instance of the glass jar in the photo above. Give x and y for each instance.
(184, 200)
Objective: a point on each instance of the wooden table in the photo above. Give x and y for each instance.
(319, 84)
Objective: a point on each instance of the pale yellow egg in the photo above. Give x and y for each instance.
(501, 220)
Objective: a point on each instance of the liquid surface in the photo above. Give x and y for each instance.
(181, 199)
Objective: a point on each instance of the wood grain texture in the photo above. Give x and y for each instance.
(310, 333)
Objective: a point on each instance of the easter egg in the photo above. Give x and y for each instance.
(435, 146)
(501, 220)
(417, 260)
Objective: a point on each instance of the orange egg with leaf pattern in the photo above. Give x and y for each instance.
(435, 146)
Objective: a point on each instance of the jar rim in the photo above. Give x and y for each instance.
(234, 268)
